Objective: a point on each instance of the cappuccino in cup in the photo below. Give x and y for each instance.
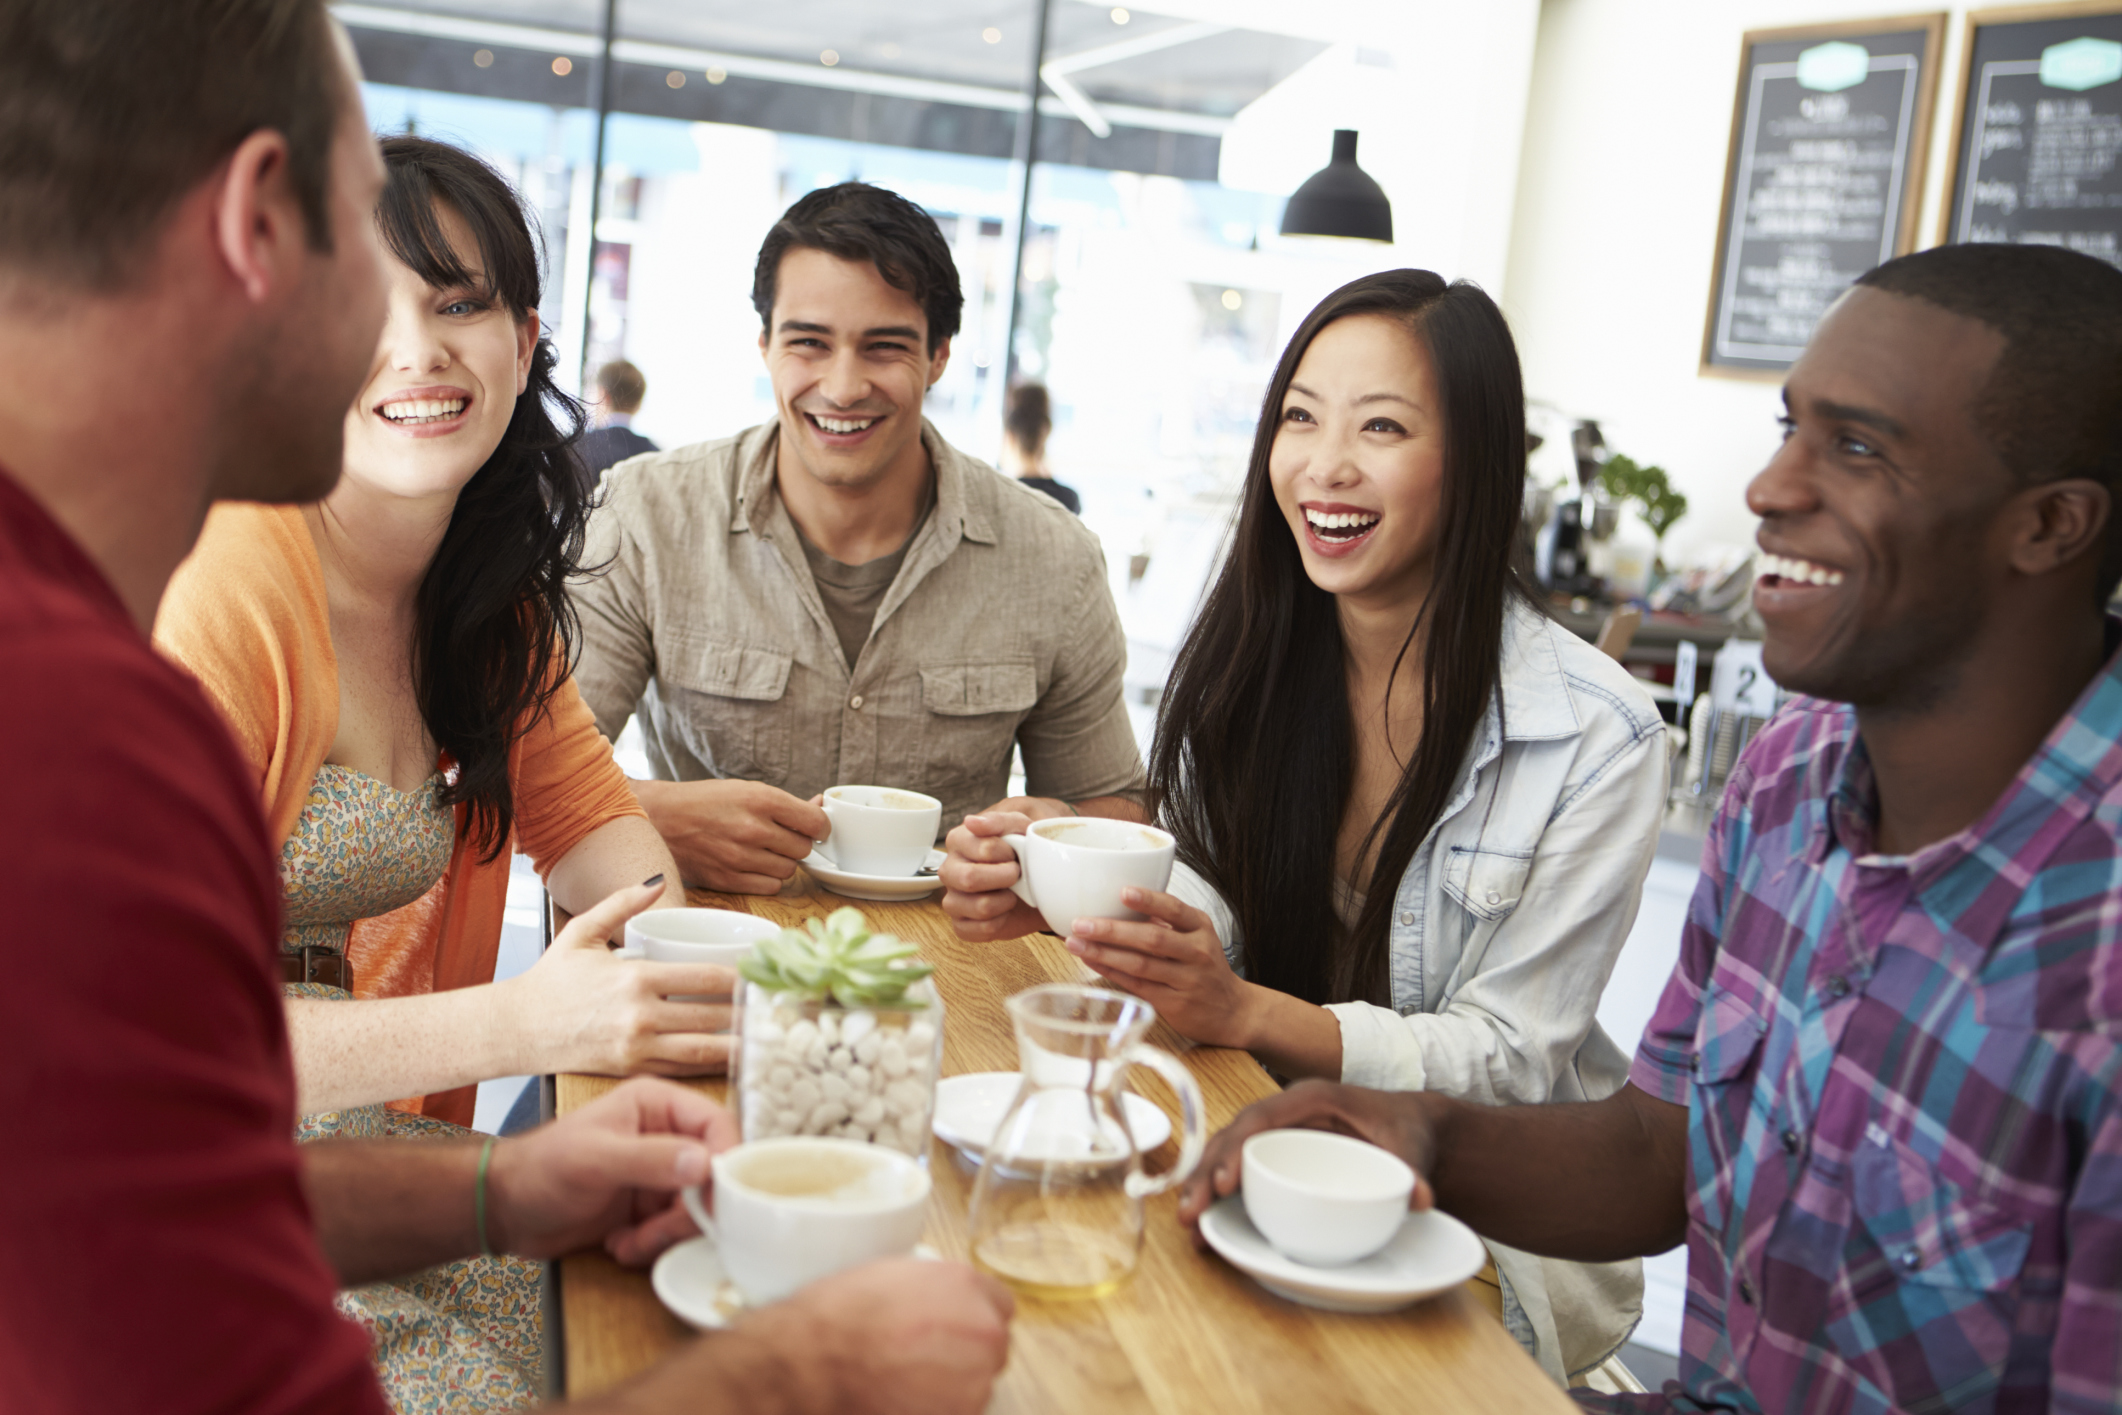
(1075, 867)
(879, 830)
(791, 1210)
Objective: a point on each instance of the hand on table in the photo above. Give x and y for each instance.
(1174, 962)
(741, 837)
(900, 1337)
(1398, 1121)
(979, 868)
(608, 1173)
(581, 1007)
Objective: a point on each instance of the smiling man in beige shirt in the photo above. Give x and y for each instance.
(840, 596)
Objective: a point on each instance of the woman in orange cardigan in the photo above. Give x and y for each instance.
(390, 660)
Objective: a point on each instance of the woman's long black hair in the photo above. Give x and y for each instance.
(1254, 755)
(495, 629)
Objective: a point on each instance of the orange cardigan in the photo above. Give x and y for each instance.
(246, 614)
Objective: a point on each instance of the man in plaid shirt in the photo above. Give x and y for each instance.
(1881, 1098)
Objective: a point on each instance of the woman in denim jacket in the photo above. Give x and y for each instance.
(1414, 816)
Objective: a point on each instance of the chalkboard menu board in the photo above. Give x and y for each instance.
(2040, 130)
(1824, 179)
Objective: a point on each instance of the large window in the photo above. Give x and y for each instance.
(1153, 299)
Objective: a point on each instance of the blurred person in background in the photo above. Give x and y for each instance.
(392, 660)
(620, 389)
(1027, 418)
(1414, 816)
(187, 194)
(839, 596)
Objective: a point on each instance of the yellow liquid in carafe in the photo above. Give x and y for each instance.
(1057, 1261)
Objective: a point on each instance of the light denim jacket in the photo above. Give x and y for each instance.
(1505, 928)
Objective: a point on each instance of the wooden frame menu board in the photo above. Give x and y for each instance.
(1830, 133)
(2037, 150)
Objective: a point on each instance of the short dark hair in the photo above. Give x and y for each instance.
(110, 110)
(2053, 405)
(1028, 416)
(856, 221)
(624, 386)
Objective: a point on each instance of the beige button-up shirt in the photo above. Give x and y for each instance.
(998, 631)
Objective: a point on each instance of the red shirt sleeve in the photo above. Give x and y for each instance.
(158, 1253)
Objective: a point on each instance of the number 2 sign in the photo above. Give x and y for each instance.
(1739, 683)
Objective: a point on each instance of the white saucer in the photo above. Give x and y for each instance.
(883, 888)
(689, 1280)
(1432, 1253)
(968, 1108)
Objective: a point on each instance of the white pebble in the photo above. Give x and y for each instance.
(833, 1088)
(782, 1075)
(829, 1027)
(767, 1033)
(827, 1115)
(814, 1055)
(801, 1036)
(839, 1059)
(892, 1060)
(857, 1026)
(805, 1095)
(860, 1077)
(867, 1049)
(906, 1098)
(921, 1037)
(869, 1112)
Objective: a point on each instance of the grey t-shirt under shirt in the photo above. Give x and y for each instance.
(852, 592)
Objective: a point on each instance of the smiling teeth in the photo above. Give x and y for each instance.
(1802, 571)
(1340, 520)
(842, 424)
(415, 410)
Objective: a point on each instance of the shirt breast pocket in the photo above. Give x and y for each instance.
(970, 713)
(1486, 885)
(727, 703)
(1727, 1067)
(1928, 1292)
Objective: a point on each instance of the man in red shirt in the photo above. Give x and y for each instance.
(190, 291)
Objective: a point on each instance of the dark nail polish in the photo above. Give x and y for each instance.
(652, 881)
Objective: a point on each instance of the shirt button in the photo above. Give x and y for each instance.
(1912, 1259)
(1746, 1292)
(855, 701)
(1792, 1140)
(1837, 986)
(1494, 898)
(1407, 917)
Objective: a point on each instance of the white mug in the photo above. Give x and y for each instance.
(1321, 1198)
(721, 936)
(879, 830)
(1075, 867)
(773, 1241)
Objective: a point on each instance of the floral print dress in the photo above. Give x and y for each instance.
(466, 1336)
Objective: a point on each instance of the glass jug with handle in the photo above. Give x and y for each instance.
(1057, 1207)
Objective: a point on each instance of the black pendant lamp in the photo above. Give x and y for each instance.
(1340, 199)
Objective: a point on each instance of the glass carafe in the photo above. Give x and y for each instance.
(1057, 1208)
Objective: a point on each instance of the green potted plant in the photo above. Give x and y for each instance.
(839, 1032)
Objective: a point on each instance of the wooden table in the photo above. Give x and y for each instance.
(1188, 1333)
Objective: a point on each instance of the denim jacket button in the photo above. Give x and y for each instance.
(1407, 917)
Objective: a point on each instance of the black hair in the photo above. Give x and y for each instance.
(1254, 753)
(856, 221)
(2052, 407)
(496, 629)
(1028, 416)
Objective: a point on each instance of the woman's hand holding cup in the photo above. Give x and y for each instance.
(1174, 961)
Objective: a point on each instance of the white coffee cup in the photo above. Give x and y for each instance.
(879, 830)
(791, 1210)
(1321, 1198)
(721, 936)
(1076, 866)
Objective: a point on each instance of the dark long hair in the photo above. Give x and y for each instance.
(495, 630)
(1255, 749)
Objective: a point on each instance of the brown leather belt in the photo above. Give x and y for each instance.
(313, 964)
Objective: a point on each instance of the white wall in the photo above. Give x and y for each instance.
(1615, 226)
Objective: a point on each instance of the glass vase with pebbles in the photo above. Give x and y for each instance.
(840, 1033)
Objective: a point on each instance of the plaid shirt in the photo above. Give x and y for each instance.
(1904, 1128)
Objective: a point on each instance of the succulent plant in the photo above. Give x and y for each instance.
(838, 958)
